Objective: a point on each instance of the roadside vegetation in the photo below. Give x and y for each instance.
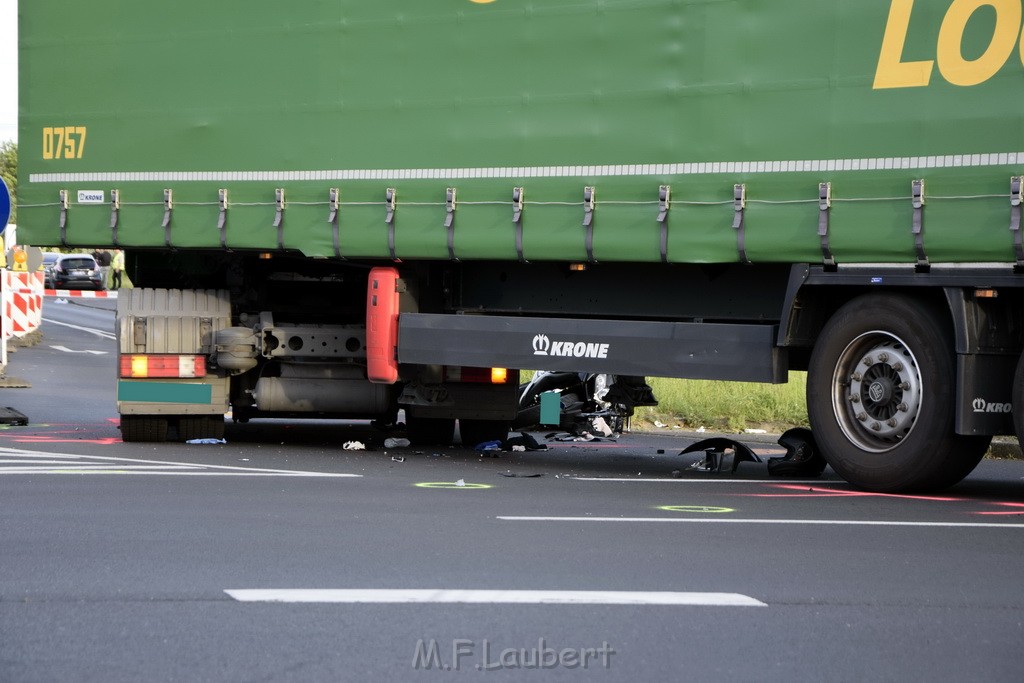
(725, 406)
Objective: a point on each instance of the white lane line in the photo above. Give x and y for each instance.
(832, 522)
(710, 481)
(494, 597)
(224, 470)
(90, 330)
(114, 469)
(33, 461)
(6, 457)
(69, 463)
(69, 467)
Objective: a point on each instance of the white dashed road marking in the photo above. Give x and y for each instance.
(494, 597)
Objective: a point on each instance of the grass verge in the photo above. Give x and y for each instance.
(727, 406)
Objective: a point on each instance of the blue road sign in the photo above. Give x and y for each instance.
(5, 205)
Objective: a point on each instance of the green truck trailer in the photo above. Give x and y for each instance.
(344, 208)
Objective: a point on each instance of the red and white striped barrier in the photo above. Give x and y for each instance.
(85, 294)
(22, 302)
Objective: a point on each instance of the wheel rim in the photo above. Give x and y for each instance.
(876, 391)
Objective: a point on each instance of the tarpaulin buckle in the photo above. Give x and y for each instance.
(280, 206)
(449, 221)
(64, 217)
(390, 204)
(1015, 222)
(222, 217)
(739, 220)
(168, 210)
(918, 201)
(115, 211)
(824, 216)
(664, 204)
(588, 221)
(517, 221)
(333, 199)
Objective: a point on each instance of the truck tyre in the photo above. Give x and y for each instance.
(430, 431)
(475, 432)
(200, 427)
(1018, 401)
(143, 428)
(881, 389)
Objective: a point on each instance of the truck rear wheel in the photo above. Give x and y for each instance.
(1018, 401)
(474, 432)
(200, 427)
(430, 431)
(143, 428)
(881, 390)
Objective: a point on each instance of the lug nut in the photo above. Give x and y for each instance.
(875, 426)
(862, 417)
(855, 399)
(897, 366)
(891, 422)
(868, 360)
(902, 407)
(883, 358)
(856, 377)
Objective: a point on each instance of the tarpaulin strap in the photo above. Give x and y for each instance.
(824, 211)
(333, 198)
(115, 210)
(389, 219)
(222, 217)
(588, 221)
(1015, 226)
(664, 204)
(739, 220)
(449, 221)
(917, 194)
(168, 209)
(64, 217)
(279, 216)
(517, 221)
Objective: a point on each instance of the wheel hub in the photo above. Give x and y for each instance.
(882, 391)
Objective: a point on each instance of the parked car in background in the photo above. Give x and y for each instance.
(76, 271)
(49, 258)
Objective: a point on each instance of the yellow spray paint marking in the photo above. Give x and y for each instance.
(695, 508)
(482, 2)
(450, 485)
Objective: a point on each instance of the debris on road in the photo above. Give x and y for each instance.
(717, 454)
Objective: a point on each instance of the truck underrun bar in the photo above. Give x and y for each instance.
(691, 350)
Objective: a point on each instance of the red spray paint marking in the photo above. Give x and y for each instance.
(1010, 512)
(105, 441)
(804, 492)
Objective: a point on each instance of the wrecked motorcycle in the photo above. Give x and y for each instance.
(588, 403)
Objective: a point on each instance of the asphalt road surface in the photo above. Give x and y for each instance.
(280, 556)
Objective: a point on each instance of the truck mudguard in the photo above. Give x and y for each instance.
(382, 301)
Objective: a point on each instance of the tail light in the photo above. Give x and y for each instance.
(163, 365)
(476, 375)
